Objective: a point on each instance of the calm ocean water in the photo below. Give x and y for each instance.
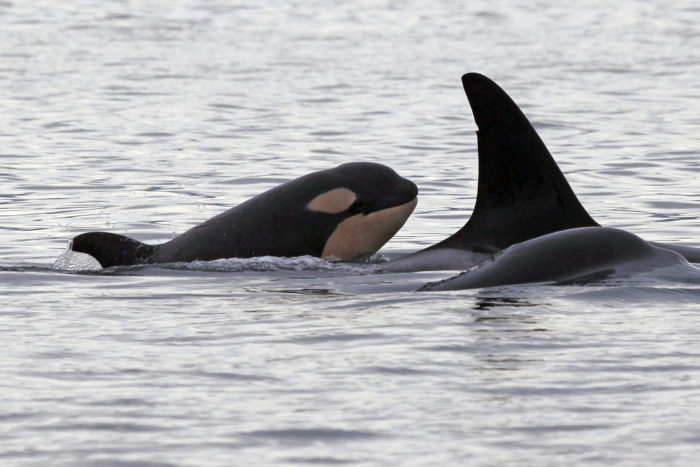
(147, 117)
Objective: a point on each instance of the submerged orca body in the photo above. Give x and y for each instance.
(572, 255)
(344, 212)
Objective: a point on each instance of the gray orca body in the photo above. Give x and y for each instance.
(567, 256)
(344, 212)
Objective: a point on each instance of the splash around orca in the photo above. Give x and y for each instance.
(344, 212)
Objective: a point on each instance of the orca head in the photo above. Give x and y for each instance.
(370, 203)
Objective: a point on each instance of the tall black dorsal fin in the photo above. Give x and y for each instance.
(522, 194)
(111, 249)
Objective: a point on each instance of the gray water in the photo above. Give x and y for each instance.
(146, 118)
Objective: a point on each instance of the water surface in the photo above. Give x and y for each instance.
(146, 118)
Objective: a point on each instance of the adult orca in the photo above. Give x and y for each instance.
(521, 192)
(344, 212)
(571, 255)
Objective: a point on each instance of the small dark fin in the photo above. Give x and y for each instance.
(111, 249)
(522, 194)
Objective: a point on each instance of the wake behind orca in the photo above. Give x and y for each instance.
(344, 212)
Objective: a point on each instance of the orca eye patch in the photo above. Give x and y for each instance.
(333, 201)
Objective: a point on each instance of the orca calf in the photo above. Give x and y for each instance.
(344, 212)
(572, 255)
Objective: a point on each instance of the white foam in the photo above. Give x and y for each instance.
(270, 263)
(74, 261)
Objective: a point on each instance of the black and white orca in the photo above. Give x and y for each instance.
(343, 213)
(527, 224)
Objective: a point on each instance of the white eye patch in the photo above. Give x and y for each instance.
(333, 201)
